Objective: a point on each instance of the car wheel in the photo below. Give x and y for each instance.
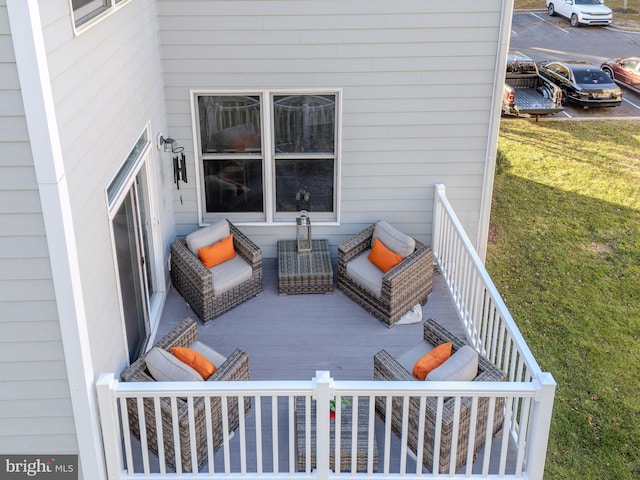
(609, 72)
(551, 10)
(574, 20)
(564, 97)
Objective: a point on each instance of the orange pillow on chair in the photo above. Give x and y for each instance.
(432, 360)
(382, 257)
(195, 360)
(217, 253)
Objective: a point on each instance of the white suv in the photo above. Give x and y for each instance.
(587, 12)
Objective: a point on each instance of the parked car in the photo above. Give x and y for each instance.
(624, 71)
(581, 12)
(526, 92)
(582, 83)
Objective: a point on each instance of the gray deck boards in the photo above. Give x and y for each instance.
(291, 337)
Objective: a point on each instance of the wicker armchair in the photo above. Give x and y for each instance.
(388, 368)
(235, 367)
(404, 286)
(194, 281)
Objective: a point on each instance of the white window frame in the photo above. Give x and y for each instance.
(269, 179)
(92, 13)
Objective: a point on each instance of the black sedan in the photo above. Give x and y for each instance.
(582, 83)
(625, 71)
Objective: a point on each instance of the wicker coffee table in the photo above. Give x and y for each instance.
(362, 449)
(304, 272)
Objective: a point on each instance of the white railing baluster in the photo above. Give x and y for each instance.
(472, 434)
(127, 437)
(159, 435)
(176, 435)
(192, 434)
(209, 430)
(371, 436)
(224, 405)
(242, 430)
(274, 434)
(454, 435)
(292, 435)
(523, 429)
(142, 425)
(437, 435)
(421, 428)
(354, 435)
(403, 437)
(387, 434)
(488, 436)
(258, 409)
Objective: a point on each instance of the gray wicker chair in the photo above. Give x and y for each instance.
(235, 367)
(194, 281)
(388, 368)
(404, 286)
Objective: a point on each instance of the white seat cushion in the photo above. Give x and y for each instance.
(393, 238)
(230, 274)
(209, 353)
(461, 366)
(165, 367)
(408, 359)
(205, 236)
(365, 274)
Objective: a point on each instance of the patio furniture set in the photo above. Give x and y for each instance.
(213, 290)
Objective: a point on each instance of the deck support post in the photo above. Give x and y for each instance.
(107, 405)
(541, 421)
(323, 392)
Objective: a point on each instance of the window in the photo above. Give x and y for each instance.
(266, 156)
(85, 10)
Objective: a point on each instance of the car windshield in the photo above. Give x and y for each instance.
(588, 2)
(591, 78)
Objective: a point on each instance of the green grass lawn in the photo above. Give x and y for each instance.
(565, 254)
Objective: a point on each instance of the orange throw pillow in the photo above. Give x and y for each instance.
(195, 360)
(217, 253)
(432, 360)
(382, 257)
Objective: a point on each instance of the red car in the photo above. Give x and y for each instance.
(624, 71)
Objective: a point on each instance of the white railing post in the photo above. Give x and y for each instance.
(542, 410)
(106, 387)
(440, 189)
(323, 391)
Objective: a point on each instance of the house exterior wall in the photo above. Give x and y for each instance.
(35, 405)
(417, 82)
(104, 87)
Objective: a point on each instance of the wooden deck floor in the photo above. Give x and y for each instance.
(290, 337)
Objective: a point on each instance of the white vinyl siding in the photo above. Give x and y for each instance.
(106, 84)
(416, 79)
(35, 413)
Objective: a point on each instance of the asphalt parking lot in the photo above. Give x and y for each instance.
(542, 37)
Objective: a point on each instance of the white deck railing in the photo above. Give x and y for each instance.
(268, 443)
(486, 319)
(274, 436)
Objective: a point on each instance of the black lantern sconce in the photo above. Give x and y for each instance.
(168, 144)
(303, 232)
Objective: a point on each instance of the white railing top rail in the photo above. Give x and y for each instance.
(306, 387)
(489, 286)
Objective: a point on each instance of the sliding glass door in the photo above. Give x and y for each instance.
(137, 250)
(132, 273)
